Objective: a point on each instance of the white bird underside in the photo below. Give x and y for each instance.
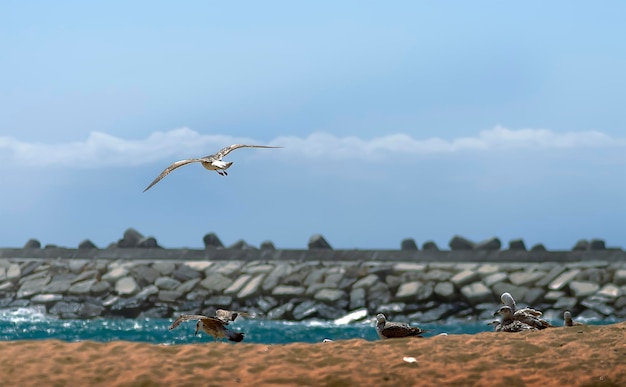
(211, 162)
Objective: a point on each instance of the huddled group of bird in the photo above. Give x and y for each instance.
(512, 320)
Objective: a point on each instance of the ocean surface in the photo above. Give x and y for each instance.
(32, 324)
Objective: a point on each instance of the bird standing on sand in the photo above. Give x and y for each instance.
(391, 330)
(211, 162)
(567, 320)
(528, 316)
(213, 326)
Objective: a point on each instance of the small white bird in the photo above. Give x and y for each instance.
(211, 162)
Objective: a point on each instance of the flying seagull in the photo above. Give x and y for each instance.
(210, 325)
(211, 162)
(390, 330)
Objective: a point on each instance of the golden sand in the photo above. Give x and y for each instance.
(572, 356)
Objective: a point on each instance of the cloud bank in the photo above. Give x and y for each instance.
(103, 150)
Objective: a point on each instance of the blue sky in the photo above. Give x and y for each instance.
(398, 119)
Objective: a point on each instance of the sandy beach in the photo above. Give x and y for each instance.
(573, 356)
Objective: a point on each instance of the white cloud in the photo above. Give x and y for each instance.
(103, 150)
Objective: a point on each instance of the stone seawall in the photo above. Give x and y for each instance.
(303, 284)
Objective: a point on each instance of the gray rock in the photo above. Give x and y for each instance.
(366, 282)
(459, 243)
(252, 287)
(619, 278)
(148, 243)
(316, 276)
(115, 274)
(554, 295)
(317, 241)
(521, 278)
(3, 274)
(32, 244)
(238, 284)
(146, 292)
(65, 309)
(378, 295)
(57, 287)
(212, 241)
(408, 244)
(357, 298)
(409, 267)
(241, 245)
(184, 273)
(430, 246)
(145, 275)
(464, 277)
(565, 303)
(275, 276)
(221, 301)
(333, 280)
(90, 310)
(76, 266)
(437, 275)
(583, 289)
(489, 244)
(167, 283)
(126, 286)
(82, 288)
(554, 272)
(517, 245)
(610, 291)
(256, 268)
(539, 247)
(164, 268)
(86, 245)
(267, 245)
(581, 245)
(329, 295)
(599, 305)
(445, 291)
(88, 274)
(227, 268)
(495, 278)
(169, 295)
(281, 312)
(187, 286)
(305, 309)
(476, 293)
(533, 296)
(597, 244)
(266, 303)
(30, 288)
(131, 238)
(100, 288)
(408, 290)
(216, 282)
(46, 298)
(287, 291)
(563, 279)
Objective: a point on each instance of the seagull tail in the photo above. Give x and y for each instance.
(234, 336)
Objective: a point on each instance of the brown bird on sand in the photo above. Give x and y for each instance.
(391, 330)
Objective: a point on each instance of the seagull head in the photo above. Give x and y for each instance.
(380, 318)
(504, 311)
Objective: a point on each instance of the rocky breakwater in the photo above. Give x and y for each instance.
(298, 290)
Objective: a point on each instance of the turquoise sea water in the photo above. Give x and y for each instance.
(32, 324)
